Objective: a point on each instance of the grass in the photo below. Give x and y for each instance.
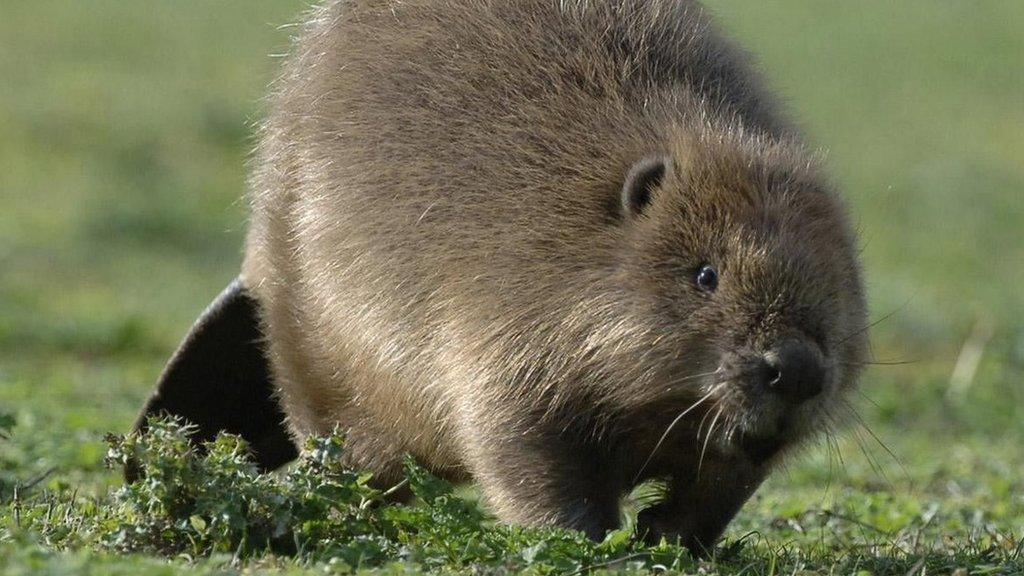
(124, 129)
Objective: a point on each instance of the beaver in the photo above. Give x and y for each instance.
(553, 247)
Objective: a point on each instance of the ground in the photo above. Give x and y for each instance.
(124, 132)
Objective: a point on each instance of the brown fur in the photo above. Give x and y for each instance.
(444, 267)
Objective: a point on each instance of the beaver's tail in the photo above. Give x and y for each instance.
(219, 380)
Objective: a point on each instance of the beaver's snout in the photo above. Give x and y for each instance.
(794, 371)
(770, 392)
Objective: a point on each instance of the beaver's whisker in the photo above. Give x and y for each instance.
(711, 428)
(871, 325)
(876, 467)
(875, 437)
(880, 363)
(672, 425)
(677, 381)
(707, 413)
(866, 397)
(834, 450)
(831, 459)
(831, 435)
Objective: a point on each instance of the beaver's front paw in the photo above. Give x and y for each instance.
(662, 522)
(676, 527)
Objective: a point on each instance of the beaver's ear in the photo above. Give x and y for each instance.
(641, 182)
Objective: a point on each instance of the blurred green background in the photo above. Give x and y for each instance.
(124, 133)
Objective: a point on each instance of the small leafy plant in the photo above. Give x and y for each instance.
(208, 506)
(204, 502)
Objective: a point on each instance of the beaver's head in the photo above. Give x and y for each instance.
(741, 251)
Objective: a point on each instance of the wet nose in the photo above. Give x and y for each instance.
(794, 371)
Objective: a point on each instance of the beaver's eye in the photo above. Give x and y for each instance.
(707, 278)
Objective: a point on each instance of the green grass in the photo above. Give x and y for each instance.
(124, 129)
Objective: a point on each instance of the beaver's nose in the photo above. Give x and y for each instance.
(794, 371)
